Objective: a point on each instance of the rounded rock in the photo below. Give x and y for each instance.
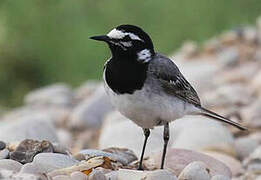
(79, 176)
(220, 177)
(61, 177)
(160, 174)
(10, 164)
(97, 175)
(4, 154)
(2, 145)
(245, 146)
(195, 171)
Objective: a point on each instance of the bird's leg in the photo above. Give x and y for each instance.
(146, 134)
(166, 140)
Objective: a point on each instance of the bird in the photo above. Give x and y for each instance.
(148, 87)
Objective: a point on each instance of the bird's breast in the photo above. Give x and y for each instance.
(125, 76)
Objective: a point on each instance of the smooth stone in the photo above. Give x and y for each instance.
(229, 37)
(200, 77)
(252, 163)
(4, 154)
(126, 174)
(90, 113)
(31, 168)
(48, 162)
(112, 175)
(32, 126)
(62, 177)
(65, 137)
(96, 175)
(256, 82)
(250, 34)
(118, 131)
(53, 95)
(195, 171)
(234, 165)
(256, 136)
(124, 156)
(220, 177)
(177, 159)
(160, 174)
(245, 146)
(11, 175)
(58, 148)
(189, 49)
(201, 133)
(23, 176)
(86, 89)
(10, 164)
(2, 145)
(79, 176)
(228, 57)
(251, 114)
(228, 95)
(28, 148)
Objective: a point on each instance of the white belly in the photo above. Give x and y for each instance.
(148, 109)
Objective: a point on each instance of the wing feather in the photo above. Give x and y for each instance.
(171, 79)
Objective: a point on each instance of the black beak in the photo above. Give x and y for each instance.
(100, 38)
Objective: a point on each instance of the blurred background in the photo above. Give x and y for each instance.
(42, 42)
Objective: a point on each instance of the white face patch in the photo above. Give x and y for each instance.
(144, 55)
(127, 44)
(117, 34)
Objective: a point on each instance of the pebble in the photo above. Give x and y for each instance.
(213, 135)
(195, 171)
(252, 163)
(233, 164)
(2, 145)
(125, 174)
(53, 95)
(251, 114)
(62, 177)
(245, 146)
(96, 175)
(220, 177)
(86, 89)
(229, 57)
(160, 174)
(228, 95)
(48, 162)
(32, 126)
(79, 176)
(4, 154)
(31, 168)
(10, 164)
(90, 113)
(65, 137)
(124, 156)
(87, 166)
(132, 136)
(28, 148)
(178, 159)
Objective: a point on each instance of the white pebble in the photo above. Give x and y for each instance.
(79, 175)
(220, 177)
(196, 170)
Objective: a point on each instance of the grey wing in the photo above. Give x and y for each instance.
(171, 79)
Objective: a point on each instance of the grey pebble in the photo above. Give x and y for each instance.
(2, 145)
(10, 164)
(4, 154)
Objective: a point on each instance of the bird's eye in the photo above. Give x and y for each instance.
(127, 38)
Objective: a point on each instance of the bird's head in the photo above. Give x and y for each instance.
(129, 40)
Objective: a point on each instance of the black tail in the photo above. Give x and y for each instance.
(215, 116)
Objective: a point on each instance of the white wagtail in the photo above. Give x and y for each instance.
(147, 87)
